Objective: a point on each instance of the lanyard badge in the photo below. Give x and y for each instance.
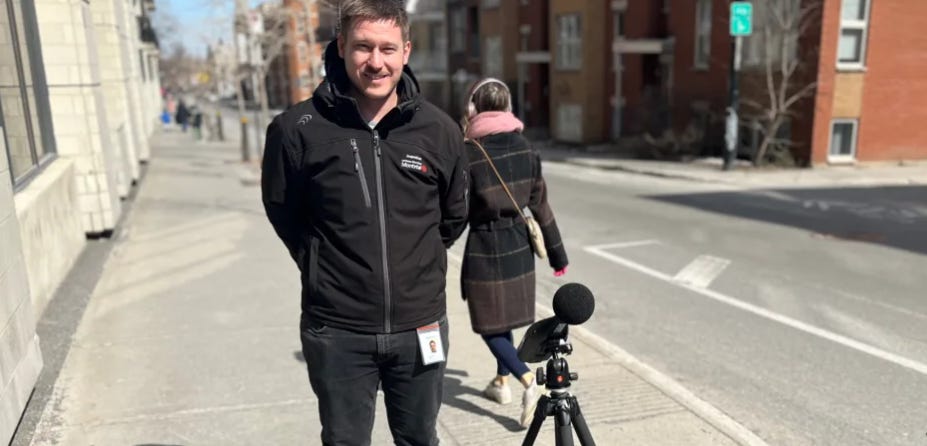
(429, 341)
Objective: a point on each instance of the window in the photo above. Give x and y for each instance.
(473, 37)
(492, 62)
(458, 30)
(702, 33)
(569, 42)
(843, 139)
(618, 29)
(24, 112)
(570, 123)
(770, 35)
(854, 22)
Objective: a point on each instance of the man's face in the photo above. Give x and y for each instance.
(374, 53)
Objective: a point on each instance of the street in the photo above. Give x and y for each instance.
(798, 312)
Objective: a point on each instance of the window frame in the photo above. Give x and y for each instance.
(861, 25)
(854, 140)
(458, 30)
(569, 47)
(702, 35)
(41, 126)
(493, 63)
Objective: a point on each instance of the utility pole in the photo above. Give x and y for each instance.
(242, 47)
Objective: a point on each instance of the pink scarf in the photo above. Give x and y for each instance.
(493, 122)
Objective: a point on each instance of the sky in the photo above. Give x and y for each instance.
(198, 23)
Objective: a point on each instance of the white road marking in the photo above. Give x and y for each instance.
(702, 271)
(633, 244)
(762, 312)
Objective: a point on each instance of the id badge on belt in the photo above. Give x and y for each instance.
(429, 341)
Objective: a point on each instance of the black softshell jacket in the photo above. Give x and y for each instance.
(367, 214)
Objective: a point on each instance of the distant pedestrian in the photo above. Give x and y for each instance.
(197, 122)
(497, 274)
(165, 119)
(183, 115)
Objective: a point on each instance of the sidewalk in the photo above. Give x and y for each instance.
(743, 174)
(191, 338)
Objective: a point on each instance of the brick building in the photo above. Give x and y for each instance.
(872, 82)
(613, 70)
(429, 49)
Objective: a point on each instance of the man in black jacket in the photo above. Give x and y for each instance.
(366, 184)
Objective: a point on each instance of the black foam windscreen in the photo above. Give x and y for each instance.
(573, 303)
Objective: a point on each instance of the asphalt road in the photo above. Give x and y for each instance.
(800, 313)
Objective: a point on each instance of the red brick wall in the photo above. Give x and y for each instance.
(536, 14)
(894, 83)
(892, 125)
(824, 100)
(642, 20)
(689, 83)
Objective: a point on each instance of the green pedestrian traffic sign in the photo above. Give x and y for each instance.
(741, 18)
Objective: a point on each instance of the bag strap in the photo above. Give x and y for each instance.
(501, 181)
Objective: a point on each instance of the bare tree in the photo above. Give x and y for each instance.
(781, 24)
(283, 22)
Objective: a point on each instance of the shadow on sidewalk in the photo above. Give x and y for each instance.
(891, 216)
(454, 390)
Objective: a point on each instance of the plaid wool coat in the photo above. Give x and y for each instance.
(497, 275)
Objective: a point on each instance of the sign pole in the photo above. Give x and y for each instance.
(741, 20)
(732, 124)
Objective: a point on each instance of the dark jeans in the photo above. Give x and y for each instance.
(503, 348)
(344, 369)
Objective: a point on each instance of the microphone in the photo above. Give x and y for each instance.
(573, 304)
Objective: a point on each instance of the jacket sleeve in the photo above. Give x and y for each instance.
(280, 190)
(540, 209)
(455, 192)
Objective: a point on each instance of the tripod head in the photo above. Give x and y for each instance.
(557, 376)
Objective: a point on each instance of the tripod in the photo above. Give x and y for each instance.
(560, 404)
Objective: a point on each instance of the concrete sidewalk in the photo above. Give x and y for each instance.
(191, 338)
(743, 174)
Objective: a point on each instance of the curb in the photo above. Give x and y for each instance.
(652, 173)
(677, 392)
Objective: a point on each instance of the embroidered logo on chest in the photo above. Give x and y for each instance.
(414, 162)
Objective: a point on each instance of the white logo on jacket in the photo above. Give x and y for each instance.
(414, 162)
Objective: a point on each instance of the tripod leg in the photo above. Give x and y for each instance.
(579, 423)
(539, 413)
(564, 431)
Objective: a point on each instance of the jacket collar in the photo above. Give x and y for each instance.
(332, 94)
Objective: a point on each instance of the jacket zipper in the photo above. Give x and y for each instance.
(359, 168)
(386, 293)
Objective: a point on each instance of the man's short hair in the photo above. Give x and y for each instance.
(392, 10)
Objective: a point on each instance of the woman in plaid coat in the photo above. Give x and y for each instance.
(497, 275)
